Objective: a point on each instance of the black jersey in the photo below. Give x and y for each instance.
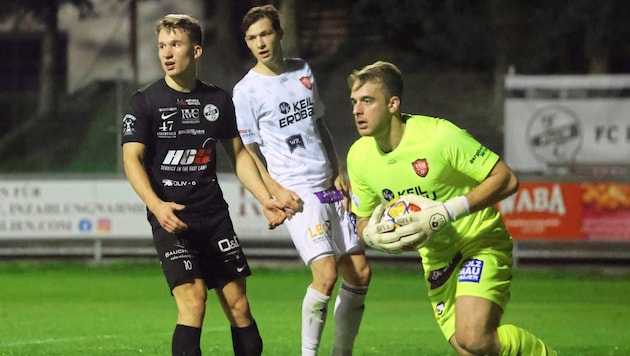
(180, 131)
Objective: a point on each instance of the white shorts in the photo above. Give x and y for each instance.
(323, 227)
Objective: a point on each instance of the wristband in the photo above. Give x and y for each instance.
(457, 207)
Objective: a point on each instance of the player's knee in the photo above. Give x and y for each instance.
(325, 284)
(191, 312)
(477, 343)
(240, 305)
(364, 276)
(191, 300)
(240, 313)
(355, 270)
(324, 278)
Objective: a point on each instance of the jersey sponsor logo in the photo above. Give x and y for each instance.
(186, 160)
(128, 123)
(295, 142)
(438, 277)
(187, 156)
(177, 183)
(329, 196)
(302, 109)
(166, 126)
(190, 116)
(284, 107)
(320, 229)
(388, 195)
(167, 115)
(165, 130)
(193, 132)
(306, 81)
(228, 244)
(417, 190)
(481, 151)
(211, 112)
(421, 166)
(188, 102)
(177, 253)
(246, 133)
(471, 271)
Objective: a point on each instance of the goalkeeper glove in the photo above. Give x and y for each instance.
(382, 236)
(433, 216)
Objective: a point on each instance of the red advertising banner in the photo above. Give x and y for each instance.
(541, 210)
(568, 211)
(606, 211)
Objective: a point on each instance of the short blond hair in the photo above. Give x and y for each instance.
(385, 73)
(184, 23)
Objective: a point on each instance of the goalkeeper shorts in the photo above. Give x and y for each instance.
(485, 274)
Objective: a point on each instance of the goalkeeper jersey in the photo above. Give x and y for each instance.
(279, 113)
(437, 160)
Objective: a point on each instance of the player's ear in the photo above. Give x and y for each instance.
(394, 104)
(197, 51)
(280, 33)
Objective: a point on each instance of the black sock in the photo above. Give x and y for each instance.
(186, 341)
(247, 341)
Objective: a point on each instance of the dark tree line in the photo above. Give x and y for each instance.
(533, 36)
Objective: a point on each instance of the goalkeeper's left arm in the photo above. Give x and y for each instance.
(434, 215)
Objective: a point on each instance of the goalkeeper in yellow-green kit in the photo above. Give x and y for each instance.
(465, 247)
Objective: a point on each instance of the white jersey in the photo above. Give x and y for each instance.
(279, 113)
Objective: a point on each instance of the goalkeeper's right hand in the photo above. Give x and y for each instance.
(382, 236)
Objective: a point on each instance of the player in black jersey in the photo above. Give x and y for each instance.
(169, 134)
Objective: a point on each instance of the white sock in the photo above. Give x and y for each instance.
(349, 307)
(314, 311)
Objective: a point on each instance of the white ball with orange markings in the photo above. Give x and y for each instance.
(397, 207)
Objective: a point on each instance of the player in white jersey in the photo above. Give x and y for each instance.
(279, 116)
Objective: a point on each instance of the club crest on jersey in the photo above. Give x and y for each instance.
(128, 125)
(211, 112)
(421, 166)
(306, 81)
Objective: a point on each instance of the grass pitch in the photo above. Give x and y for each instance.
(125, 308)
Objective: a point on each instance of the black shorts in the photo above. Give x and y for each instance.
(208, 250)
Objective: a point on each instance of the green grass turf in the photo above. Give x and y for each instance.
(124, 308)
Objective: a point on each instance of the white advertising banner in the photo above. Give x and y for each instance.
(104, 208)
(566, 120)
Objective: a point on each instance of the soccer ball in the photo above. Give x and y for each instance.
(397, 207)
